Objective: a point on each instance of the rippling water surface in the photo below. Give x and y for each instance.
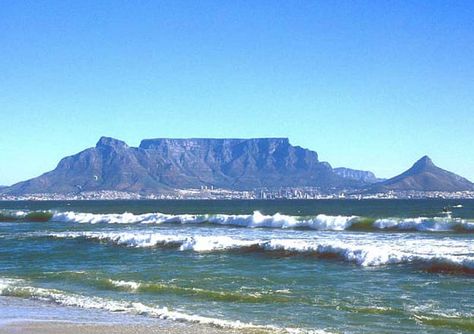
(305, 266)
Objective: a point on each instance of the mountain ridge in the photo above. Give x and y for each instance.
(161, 165)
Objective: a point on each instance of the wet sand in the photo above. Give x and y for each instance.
(75, 328)
(24, 316)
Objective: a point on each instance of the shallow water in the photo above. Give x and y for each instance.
(338, 266)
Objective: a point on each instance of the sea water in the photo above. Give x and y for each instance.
(332, 266)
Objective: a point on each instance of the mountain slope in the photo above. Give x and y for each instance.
(424, 175)
(165, 164)
(111, 165)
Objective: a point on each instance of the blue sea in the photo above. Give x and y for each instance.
(310, 266)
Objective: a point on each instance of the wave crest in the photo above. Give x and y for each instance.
(366, 253)
(255, 220)
(319, 222)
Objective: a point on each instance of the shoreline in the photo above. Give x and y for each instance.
(27, 316)
(288, 193)
(66, 327)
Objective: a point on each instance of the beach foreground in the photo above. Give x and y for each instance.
(23, 316)
(75, 328)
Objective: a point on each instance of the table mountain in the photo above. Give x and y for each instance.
(164, 164)
(424, 175)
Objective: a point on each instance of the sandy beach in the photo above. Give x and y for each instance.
(23, 316)
(75, 328)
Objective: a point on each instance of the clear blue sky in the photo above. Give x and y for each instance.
(368, 85)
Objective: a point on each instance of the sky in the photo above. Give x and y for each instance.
(368, 85)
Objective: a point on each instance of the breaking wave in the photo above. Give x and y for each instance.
(319, 222)
(19, 288)
(31, 216)
(437, 224)
(255, 220)
(434, 255)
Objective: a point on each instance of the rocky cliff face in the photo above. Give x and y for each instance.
(161, 165)
(111, 165)
(236, 163)
(164, 164)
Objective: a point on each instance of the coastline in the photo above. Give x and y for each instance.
(289, 193)
(216, 267)
(26, 316)
(62, 327)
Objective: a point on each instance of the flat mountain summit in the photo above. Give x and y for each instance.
(166, 164)
(424, 175)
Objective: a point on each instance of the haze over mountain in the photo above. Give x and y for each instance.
(163, 165)
(424, 175)
(358, 175)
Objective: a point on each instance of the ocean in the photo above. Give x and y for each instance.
(309, 266)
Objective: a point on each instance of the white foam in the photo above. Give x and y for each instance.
(214, 243)
(129, 239)
(20, 213)
(18, 288)
(123, 218)
(255, 220)
(373, 252)
(319, 222)
(436, 224)
(128, 285)
(361, 249)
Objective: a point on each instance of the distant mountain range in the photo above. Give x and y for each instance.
(358, 175)
(163, 165)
